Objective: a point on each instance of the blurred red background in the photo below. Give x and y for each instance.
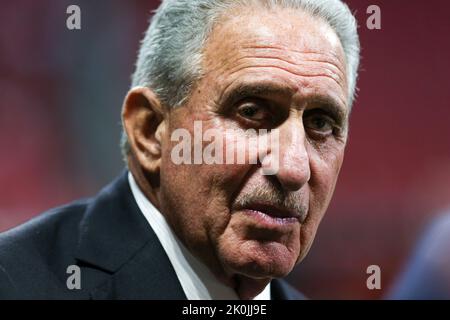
(61, 93)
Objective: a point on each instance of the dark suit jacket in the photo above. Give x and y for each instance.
(107, 236)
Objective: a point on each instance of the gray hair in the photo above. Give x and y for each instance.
(170, 56)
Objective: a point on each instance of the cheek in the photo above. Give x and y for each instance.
(196, 198)
(324, 173)
(192, 205)
(325, 165)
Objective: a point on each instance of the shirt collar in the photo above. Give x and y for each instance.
(196, 279)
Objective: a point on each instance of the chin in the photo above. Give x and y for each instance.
(260, 260)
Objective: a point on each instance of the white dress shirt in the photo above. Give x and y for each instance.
(196, 279)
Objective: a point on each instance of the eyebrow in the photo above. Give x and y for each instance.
(329, 105)
(261, 89)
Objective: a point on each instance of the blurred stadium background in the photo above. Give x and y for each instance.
(61, 93)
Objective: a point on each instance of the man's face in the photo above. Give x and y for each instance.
(279, 69)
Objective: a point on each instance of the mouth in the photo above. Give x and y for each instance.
(271, 215)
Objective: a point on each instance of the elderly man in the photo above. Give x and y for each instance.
(205, 229)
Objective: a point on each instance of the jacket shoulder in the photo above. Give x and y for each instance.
(38, 250)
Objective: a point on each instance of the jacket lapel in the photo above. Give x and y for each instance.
(123, 257)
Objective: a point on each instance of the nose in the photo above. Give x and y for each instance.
(294, 163)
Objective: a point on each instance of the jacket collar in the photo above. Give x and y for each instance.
(112, 229)
(116, 238)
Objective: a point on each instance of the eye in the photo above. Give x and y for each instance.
(319, 124)
(252, 111)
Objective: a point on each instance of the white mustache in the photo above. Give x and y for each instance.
(291, 202)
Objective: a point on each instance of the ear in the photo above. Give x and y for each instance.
(144, 122)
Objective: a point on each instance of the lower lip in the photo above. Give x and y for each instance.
(268, 220)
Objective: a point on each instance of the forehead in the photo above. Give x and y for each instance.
(288, 45)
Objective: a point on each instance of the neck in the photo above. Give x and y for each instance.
(148, 183)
